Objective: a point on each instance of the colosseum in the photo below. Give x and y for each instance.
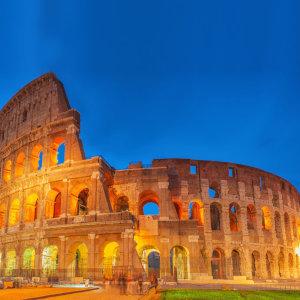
(64, 216)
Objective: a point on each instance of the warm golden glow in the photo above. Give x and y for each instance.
(35, 157)
(20, 164)
(14, 212)
(50, 260)
(110, 258)
(10, 262)
(7, 171)
(297, 251)
(266, 218)
(31, 208)
(2, 214)
(28, 258)
(53, 204)
(53, 150)
(196, 211)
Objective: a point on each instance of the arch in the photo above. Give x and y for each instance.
(14, 213)
(287, 227)
(2, 214)
(251, 217)
(234, 216)
(53, 204)
(294, 227)
(122, 204)
(178, 208)
(281, 264)
(291, 265)
(277, 221)
(31, 208)
(57, 151)
(80, 260)
(218, 264)
(37, 157)
(215, 216)
(150, 259)
(49, 260)
(11, 262)
(28, 258)
(179, 262)
(110, 260)
(266, 218)
(148, 203)
(79, 200)
(269, 264)
(7, 171)
(255, 264)
(20, 165)
(236, 263)
(196, 211)
(214, 190)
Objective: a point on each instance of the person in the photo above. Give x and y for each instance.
(155, 281)
(140, 283)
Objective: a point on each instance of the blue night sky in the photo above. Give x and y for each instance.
(211, 80)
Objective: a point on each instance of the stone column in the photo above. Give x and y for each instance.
(194, 259)
(164, 200)
(92, 199)
(62, 257)
(165, 258)
(65, 198)
(91, 263)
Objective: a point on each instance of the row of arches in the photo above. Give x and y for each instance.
(52, 207)
(36, 159)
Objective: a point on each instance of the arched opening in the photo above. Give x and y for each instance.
(266, 218)
(50, 260)
(37, 157)
(57, 152)
(14, 213)
(122, 204)
(53, 204)
(196, 211)
(31, 208)
(20, 165)
(291, 265)
(218, 264)
(215, 216)
(154, 264)
(28, 258)
(2, 214)
(251, 217)
(11, 261)
(111, 257)
(269, 265)
(294, 226)
(255, 264)
(236, 263)
(79, 200)
(234, 217)
(277, 221)
(178, 208)
(7, 171)
(24, 116)
(148, 204)
(80, 261)
(179, 262)
(287, 227)
(281, 264)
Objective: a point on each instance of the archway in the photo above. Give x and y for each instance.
(277, 221)
(80, 261)
(148, 203)
(79, 200)
(269, 264)
(14, 213)
(236, 263)
(53, 204)
(7, 171)
(287, 227)
(255, 264)
(28, 261)
(20, 165)
(50, 260)
(215, 216)
(281, 264)
(111, 257)
(266, 218)
(57, 151)
(122, 204)
(37, 157)
(150, 258)
(218, 264)
(179, 262)
(196, 211)
(11, 261)
(2, 214)
(178, 208)
(31, 208)
(251, 217)
(234, 217)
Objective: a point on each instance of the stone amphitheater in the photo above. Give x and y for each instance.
(65, 216)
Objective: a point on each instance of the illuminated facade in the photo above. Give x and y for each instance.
(65, 216)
